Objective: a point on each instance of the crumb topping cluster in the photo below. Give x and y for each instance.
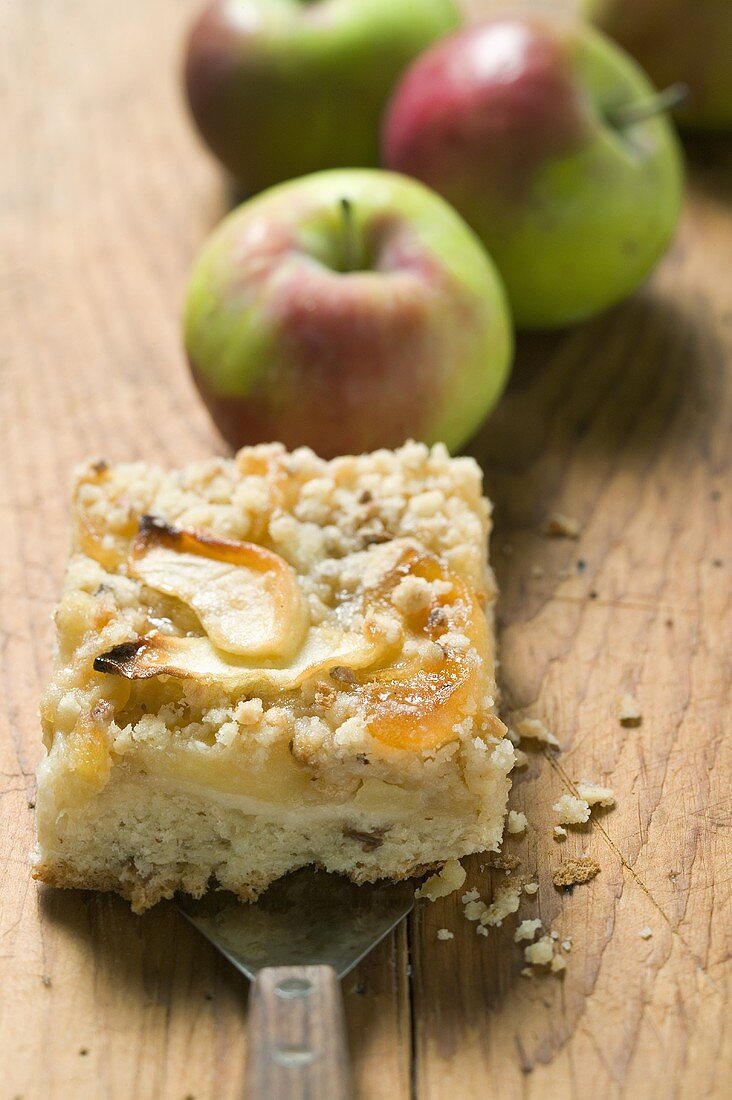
(387, 553)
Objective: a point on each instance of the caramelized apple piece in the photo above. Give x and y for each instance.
(197, 659)
(416, 708)
(247, 598)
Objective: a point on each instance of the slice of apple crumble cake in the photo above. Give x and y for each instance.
(268, 662)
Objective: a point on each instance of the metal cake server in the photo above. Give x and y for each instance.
(304, 934)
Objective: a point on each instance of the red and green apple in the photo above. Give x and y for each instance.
(542, 134)
(347, 311)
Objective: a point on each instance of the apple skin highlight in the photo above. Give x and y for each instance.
(286, 343)
(511, 121)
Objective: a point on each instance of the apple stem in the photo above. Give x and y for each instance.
(350, 244)
(655, 104)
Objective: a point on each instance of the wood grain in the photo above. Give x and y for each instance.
(623, 423)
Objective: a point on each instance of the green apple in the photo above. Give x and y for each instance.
(540, 133)
(678, 40)
(347, 311)
(279, 88)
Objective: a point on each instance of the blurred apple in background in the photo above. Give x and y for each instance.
(279, 88)
(348, 310)
(526, 125)
(678, 40)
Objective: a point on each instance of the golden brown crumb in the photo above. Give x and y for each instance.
(559, 526)
(575, 871)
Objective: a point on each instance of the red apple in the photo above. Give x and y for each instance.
(531, 126)
(348, 310)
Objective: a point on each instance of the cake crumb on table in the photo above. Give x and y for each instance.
(575, 871)
(558, 964)
(526, 930)
(531, 887)
(516, 822)
(560, 833)
(474, 909)
(534, 729)
(572, 810)
(646, 933)
(595, 795)
(628, 711)
(527, 972)
(540, 953)
(445, 934)
(560, 526)
(447, 880)
(506, 901)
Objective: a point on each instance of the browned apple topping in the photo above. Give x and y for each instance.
(247, 598)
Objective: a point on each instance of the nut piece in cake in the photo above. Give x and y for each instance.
(248, 682)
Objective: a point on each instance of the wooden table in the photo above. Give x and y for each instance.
(623, 423)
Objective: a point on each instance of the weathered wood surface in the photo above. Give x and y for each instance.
(623, 423)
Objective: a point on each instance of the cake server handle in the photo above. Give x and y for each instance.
(296, 1036)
